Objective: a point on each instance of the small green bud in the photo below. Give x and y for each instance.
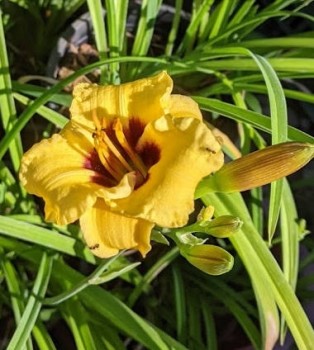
(222, 227)
(210, 259)
(206, 214)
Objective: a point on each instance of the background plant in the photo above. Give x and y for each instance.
(222, 55)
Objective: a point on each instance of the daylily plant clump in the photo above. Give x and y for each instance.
(130, 158)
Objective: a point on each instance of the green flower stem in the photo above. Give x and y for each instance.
(159, 266)
(257, 257)
(81, 285)
(221, 227)
(185, 229)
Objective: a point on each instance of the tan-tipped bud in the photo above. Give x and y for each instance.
(210, 259)
(222, 227)
(261, 167)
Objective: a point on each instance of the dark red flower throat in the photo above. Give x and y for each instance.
(117, 152)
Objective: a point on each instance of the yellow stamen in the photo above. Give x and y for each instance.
(115, 151)
(137, 161)
(103, 156)
(116, 155)
(96, 120)
(114, 161)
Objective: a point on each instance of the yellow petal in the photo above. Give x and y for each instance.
(106, 232)
(145, 99)
(189, 151)
(54, 170)
(183, 106)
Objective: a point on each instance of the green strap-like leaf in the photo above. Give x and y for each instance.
(265, 273)
(33, 306)
(257, 120)
(7, 109)
(279, 122)
(44, 237)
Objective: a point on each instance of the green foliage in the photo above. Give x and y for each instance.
(46, 20)
(231, 66)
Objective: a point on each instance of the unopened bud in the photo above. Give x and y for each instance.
(223, 226)
(206, 214)
(258, 168)
(210, 259)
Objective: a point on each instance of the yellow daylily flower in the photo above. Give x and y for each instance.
(130, 157)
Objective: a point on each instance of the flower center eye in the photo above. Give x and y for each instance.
(116, 154)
